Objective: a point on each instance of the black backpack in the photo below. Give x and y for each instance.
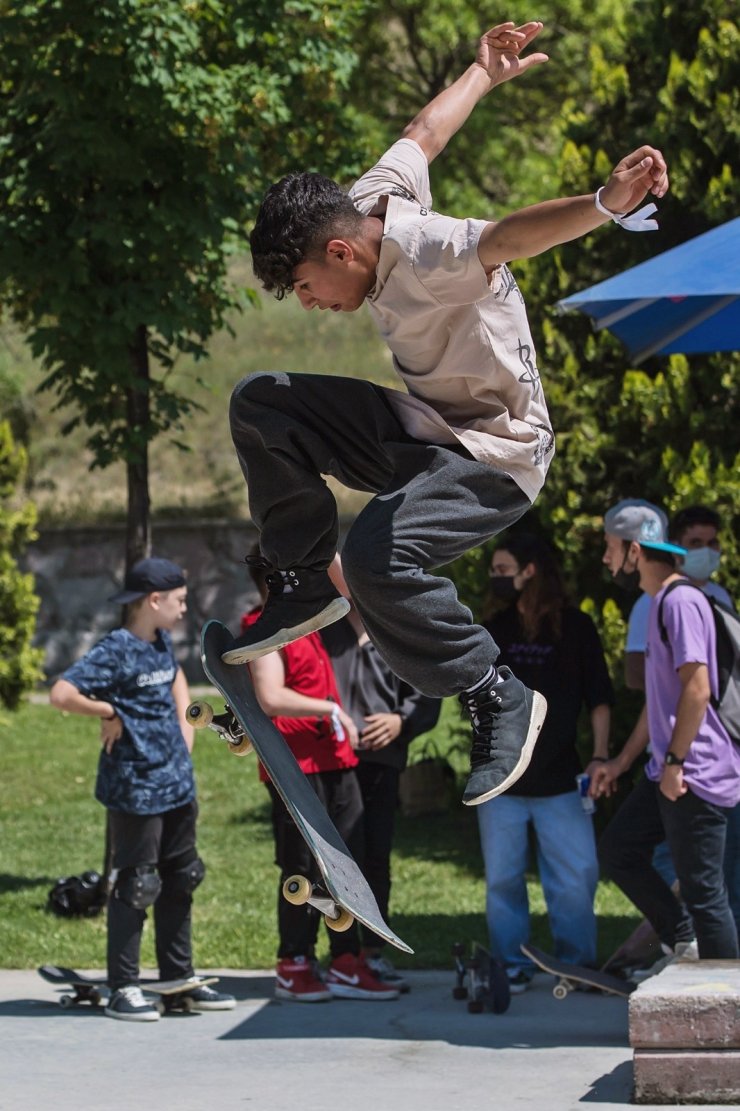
(727, 626)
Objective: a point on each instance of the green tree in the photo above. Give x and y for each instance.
(20, 663)
(505, 156)
(136, 137)
(666, 431)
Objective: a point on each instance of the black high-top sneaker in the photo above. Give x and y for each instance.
(507, 718)
(299, 601)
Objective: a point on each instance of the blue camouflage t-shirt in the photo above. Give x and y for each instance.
(149, 770)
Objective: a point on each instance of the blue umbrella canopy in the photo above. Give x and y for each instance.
(685, 300)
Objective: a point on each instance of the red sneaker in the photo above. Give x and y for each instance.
(297, 980)
(350, 978)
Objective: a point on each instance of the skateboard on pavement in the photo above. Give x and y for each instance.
(481, 979)
(86, 989)
(344, 894)
(570, 976)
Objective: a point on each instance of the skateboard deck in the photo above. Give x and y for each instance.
(87, 989)
(481, 980)
(345, 893)
(571, 975)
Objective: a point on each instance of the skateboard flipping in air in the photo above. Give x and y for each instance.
(344, 893)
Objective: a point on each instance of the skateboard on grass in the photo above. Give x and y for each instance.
(481, 979)
(86, 989)
(343, 894)
(570, 976)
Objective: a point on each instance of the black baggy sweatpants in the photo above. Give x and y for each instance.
(433, 503)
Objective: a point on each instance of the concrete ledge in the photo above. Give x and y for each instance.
(686, 1076)
(689, 1005)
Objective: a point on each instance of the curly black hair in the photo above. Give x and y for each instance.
(297, 217)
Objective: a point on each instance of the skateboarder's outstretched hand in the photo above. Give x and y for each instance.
(637, 174)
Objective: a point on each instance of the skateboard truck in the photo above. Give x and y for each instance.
(299, 890)
(201, 716)
(481, 980)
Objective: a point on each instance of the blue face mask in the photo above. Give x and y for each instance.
(700, 563)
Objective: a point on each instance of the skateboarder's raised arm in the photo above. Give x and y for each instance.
(535, 229)
(278, 700)
(497, 60)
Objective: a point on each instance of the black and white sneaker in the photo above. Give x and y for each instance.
(300, 601)
(386, 973)
(128, 1003)
(203, 998)
(507, 718)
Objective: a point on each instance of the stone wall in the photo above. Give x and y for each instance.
(77, 569)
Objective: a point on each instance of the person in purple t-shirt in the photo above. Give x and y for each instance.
(693, 777)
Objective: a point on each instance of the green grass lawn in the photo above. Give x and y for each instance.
(50, 825)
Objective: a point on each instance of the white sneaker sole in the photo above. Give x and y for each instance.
(345, 991)
(536, 721)
(306, 997)
(141, 1017)
(336, 609)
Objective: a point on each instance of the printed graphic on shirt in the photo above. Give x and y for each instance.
(508, 285)
(545, 443)
(531, 376)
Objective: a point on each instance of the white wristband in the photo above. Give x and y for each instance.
(637, 221)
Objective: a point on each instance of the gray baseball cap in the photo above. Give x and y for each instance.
(640, 520)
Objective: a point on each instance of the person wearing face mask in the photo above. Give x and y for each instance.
(557, 646)
(696, 529)
(692, 780)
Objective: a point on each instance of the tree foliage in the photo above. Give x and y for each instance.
(505, 155)
(136, 138)
(666, 431)
(20, 663)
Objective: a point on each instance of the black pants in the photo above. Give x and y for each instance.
(433, 504)
(695, 832)
(379, 786)
(298, 926)
(162, 841)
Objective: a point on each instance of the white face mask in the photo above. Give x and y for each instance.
(700, 563)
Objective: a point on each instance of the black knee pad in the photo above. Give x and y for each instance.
(183, 876)
(138, 887)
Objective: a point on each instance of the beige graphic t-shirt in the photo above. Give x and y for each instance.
(460, 343)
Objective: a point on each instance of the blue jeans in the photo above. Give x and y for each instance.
(566, 855)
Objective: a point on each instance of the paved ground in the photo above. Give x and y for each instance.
(421, 1053)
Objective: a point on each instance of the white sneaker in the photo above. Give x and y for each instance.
(128, 1003)
(684, 951)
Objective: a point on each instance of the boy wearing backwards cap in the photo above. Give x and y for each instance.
(692, 779)
(131, 681)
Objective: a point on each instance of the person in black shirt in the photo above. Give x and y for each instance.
(388, 714)
(554, 647)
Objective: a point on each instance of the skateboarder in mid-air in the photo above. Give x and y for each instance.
(454, 461)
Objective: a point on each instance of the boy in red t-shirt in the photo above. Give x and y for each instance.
(296, 687)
